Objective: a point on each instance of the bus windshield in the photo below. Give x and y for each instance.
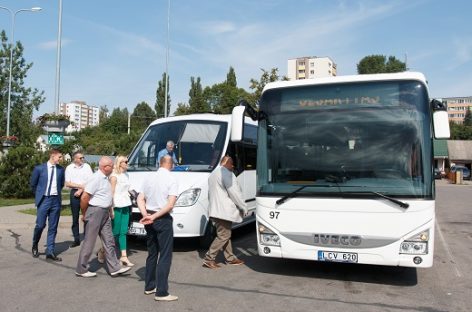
(198, 145)
(349, 139)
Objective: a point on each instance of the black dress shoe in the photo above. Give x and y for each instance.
(74, 244)
(35, 251)
(53, 257)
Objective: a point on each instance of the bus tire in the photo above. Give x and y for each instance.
(208, 237)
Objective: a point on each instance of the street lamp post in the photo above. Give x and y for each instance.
(12, 42)
(58, 61)
(167, 59)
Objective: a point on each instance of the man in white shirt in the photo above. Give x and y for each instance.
(77, 173)
(155, 202)
(96, 205)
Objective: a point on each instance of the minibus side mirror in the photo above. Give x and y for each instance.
(237, 123)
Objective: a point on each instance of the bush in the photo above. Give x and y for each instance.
(15, 171)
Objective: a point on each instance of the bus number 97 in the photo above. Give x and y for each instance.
(274, 214)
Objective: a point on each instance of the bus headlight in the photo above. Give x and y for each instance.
(267, 236)
(416, 245)
(188, 198)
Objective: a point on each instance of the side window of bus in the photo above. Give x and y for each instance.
(250, 157)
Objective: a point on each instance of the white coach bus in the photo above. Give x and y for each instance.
(201, 140)
(345, 169)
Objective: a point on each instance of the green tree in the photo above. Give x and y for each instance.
(196, 102)
(117, 123)
(141, 117)
(460, 131)
(468, 118)
(103, 113)
(160, 97)
(226, 95)
(23, 100)
(375, 64)
(258, 85)
(182, 109)
(16, 168)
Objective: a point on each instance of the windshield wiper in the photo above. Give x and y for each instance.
(393, 200)
(295, 193)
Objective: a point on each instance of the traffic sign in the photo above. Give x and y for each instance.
(55, 138)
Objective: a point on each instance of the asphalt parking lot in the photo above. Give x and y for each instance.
(29, 284)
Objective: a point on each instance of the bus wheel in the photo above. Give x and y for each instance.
(208, 236)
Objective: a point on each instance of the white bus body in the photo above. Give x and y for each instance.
(345, 170)
(201, 140)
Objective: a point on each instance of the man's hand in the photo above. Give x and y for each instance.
(146, 220)
(78, 192)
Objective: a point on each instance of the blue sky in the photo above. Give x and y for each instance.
(113, 52)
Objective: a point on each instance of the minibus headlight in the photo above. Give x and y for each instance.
(267, 236)
(416, 244)
(188, 198)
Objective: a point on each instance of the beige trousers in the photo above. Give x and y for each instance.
(222, 241)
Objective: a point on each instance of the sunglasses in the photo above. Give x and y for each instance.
(125, 161)
(81, 158)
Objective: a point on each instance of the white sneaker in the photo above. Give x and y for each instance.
(121, 271)
(86, 274)
(166, 298)
(150, 292)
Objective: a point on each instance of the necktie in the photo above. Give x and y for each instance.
(50, 181)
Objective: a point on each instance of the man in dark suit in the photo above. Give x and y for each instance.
(47, 182)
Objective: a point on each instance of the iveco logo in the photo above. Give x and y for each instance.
(333, 239)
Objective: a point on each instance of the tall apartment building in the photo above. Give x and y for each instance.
(80, 114)
(310, 67)
(457, 107)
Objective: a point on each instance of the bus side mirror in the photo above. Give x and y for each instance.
(237, 123)
(440, 120)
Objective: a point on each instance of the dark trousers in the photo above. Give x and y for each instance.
(160, 243)
(49, 209)
(75, 208)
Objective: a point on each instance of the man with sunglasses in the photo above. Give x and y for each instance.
(77, 173)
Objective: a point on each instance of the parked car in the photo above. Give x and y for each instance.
(437, 174)
(465, 171)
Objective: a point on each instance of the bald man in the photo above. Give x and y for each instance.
(96, 204)
(226, 206)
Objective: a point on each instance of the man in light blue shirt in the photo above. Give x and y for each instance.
(169, 150)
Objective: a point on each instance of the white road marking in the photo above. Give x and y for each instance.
(243, 251)
(253, 251)
(449, 253)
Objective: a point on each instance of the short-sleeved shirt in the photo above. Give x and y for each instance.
(99, 188)
(158, 188)
(78, 174)
(164, 152)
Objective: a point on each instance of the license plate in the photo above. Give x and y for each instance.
(333, 256)
(136, 230)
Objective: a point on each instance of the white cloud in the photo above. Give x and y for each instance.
(462, 48)
(217, 27)
(51, 45)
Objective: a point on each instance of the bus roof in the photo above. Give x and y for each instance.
(210, 117)
(343, 79)
(201, 117)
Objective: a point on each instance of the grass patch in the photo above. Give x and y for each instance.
(5, 202)
(65, 211)
(15, 201)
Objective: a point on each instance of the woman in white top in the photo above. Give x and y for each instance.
(121, 205)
